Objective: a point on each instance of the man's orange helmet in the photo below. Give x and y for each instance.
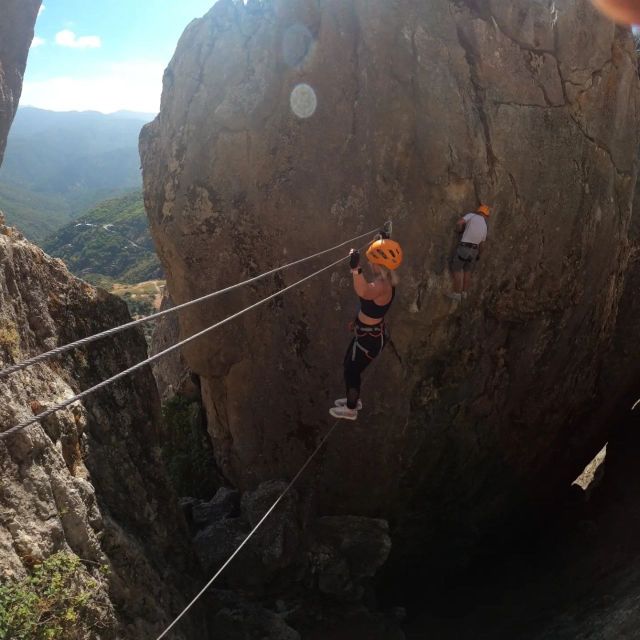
(385, 252)
(484, 210)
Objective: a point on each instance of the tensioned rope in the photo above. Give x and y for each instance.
(109, 332)
(157, 356)
(242, 544)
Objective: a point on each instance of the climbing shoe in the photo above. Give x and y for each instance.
(456, 297)
(342, 402)
(344, 413)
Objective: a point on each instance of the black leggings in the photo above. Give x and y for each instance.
(363, 349)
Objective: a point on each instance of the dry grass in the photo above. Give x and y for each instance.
(149, 291)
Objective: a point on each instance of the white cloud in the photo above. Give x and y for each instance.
(37, 42)
(134, 86)
(67, 38)
(41, 9)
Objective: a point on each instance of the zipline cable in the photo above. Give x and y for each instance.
(157, 356)
(134, 323)
(264, 517)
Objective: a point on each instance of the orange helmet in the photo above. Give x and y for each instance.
(484, 210)
(385, 252)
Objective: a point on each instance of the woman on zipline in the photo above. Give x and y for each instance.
(370, 335)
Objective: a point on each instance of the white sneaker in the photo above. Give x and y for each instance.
(342, 402)
(344, 413)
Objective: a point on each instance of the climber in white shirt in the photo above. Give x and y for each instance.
(473, 227)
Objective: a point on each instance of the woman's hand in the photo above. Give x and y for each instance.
(354, 258)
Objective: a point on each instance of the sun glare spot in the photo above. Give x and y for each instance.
(303, 101)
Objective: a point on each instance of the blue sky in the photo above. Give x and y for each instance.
(104, 56)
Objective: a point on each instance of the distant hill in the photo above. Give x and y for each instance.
(58, 164)
(110, 243)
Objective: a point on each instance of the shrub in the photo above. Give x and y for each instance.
(10, 340)
(60, 600)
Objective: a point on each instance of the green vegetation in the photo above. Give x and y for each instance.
(35, 215)
(187, 449)
(112, 241)
(146, 268)
(60, 600)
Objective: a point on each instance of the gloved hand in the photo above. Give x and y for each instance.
(354, 258)
(384, 234)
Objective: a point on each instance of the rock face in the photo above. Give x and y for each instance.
(171, 372)
(294, 560)
(473, 414)
(89, 480)
(16, 34)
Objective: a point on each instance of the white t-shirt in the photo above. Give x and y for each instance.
(475, 231)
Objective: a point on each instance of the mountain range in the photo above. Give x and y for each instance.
(59, 164)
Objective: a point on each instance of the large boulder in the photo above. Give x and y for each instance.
(422, 109)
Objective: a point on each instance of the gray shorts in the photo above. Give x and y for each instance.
(464, 259)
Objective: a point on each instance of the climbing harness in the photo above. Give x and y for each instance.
(360, 331)
(467, 245)
(157, 356)
(251, 533)
(134, 323)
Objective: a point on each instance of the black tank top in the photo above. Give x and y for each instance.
(373, 310)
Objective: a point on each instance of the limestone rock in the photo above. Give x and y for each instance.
(274, 547)
(224, 504)
(171, 372)
(346, 550)
(421, 110)
(330, 555)
(279, 537)
(236, 619)
(215, 543)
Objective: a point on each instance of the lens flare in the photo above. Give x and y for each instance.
(303, 101)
